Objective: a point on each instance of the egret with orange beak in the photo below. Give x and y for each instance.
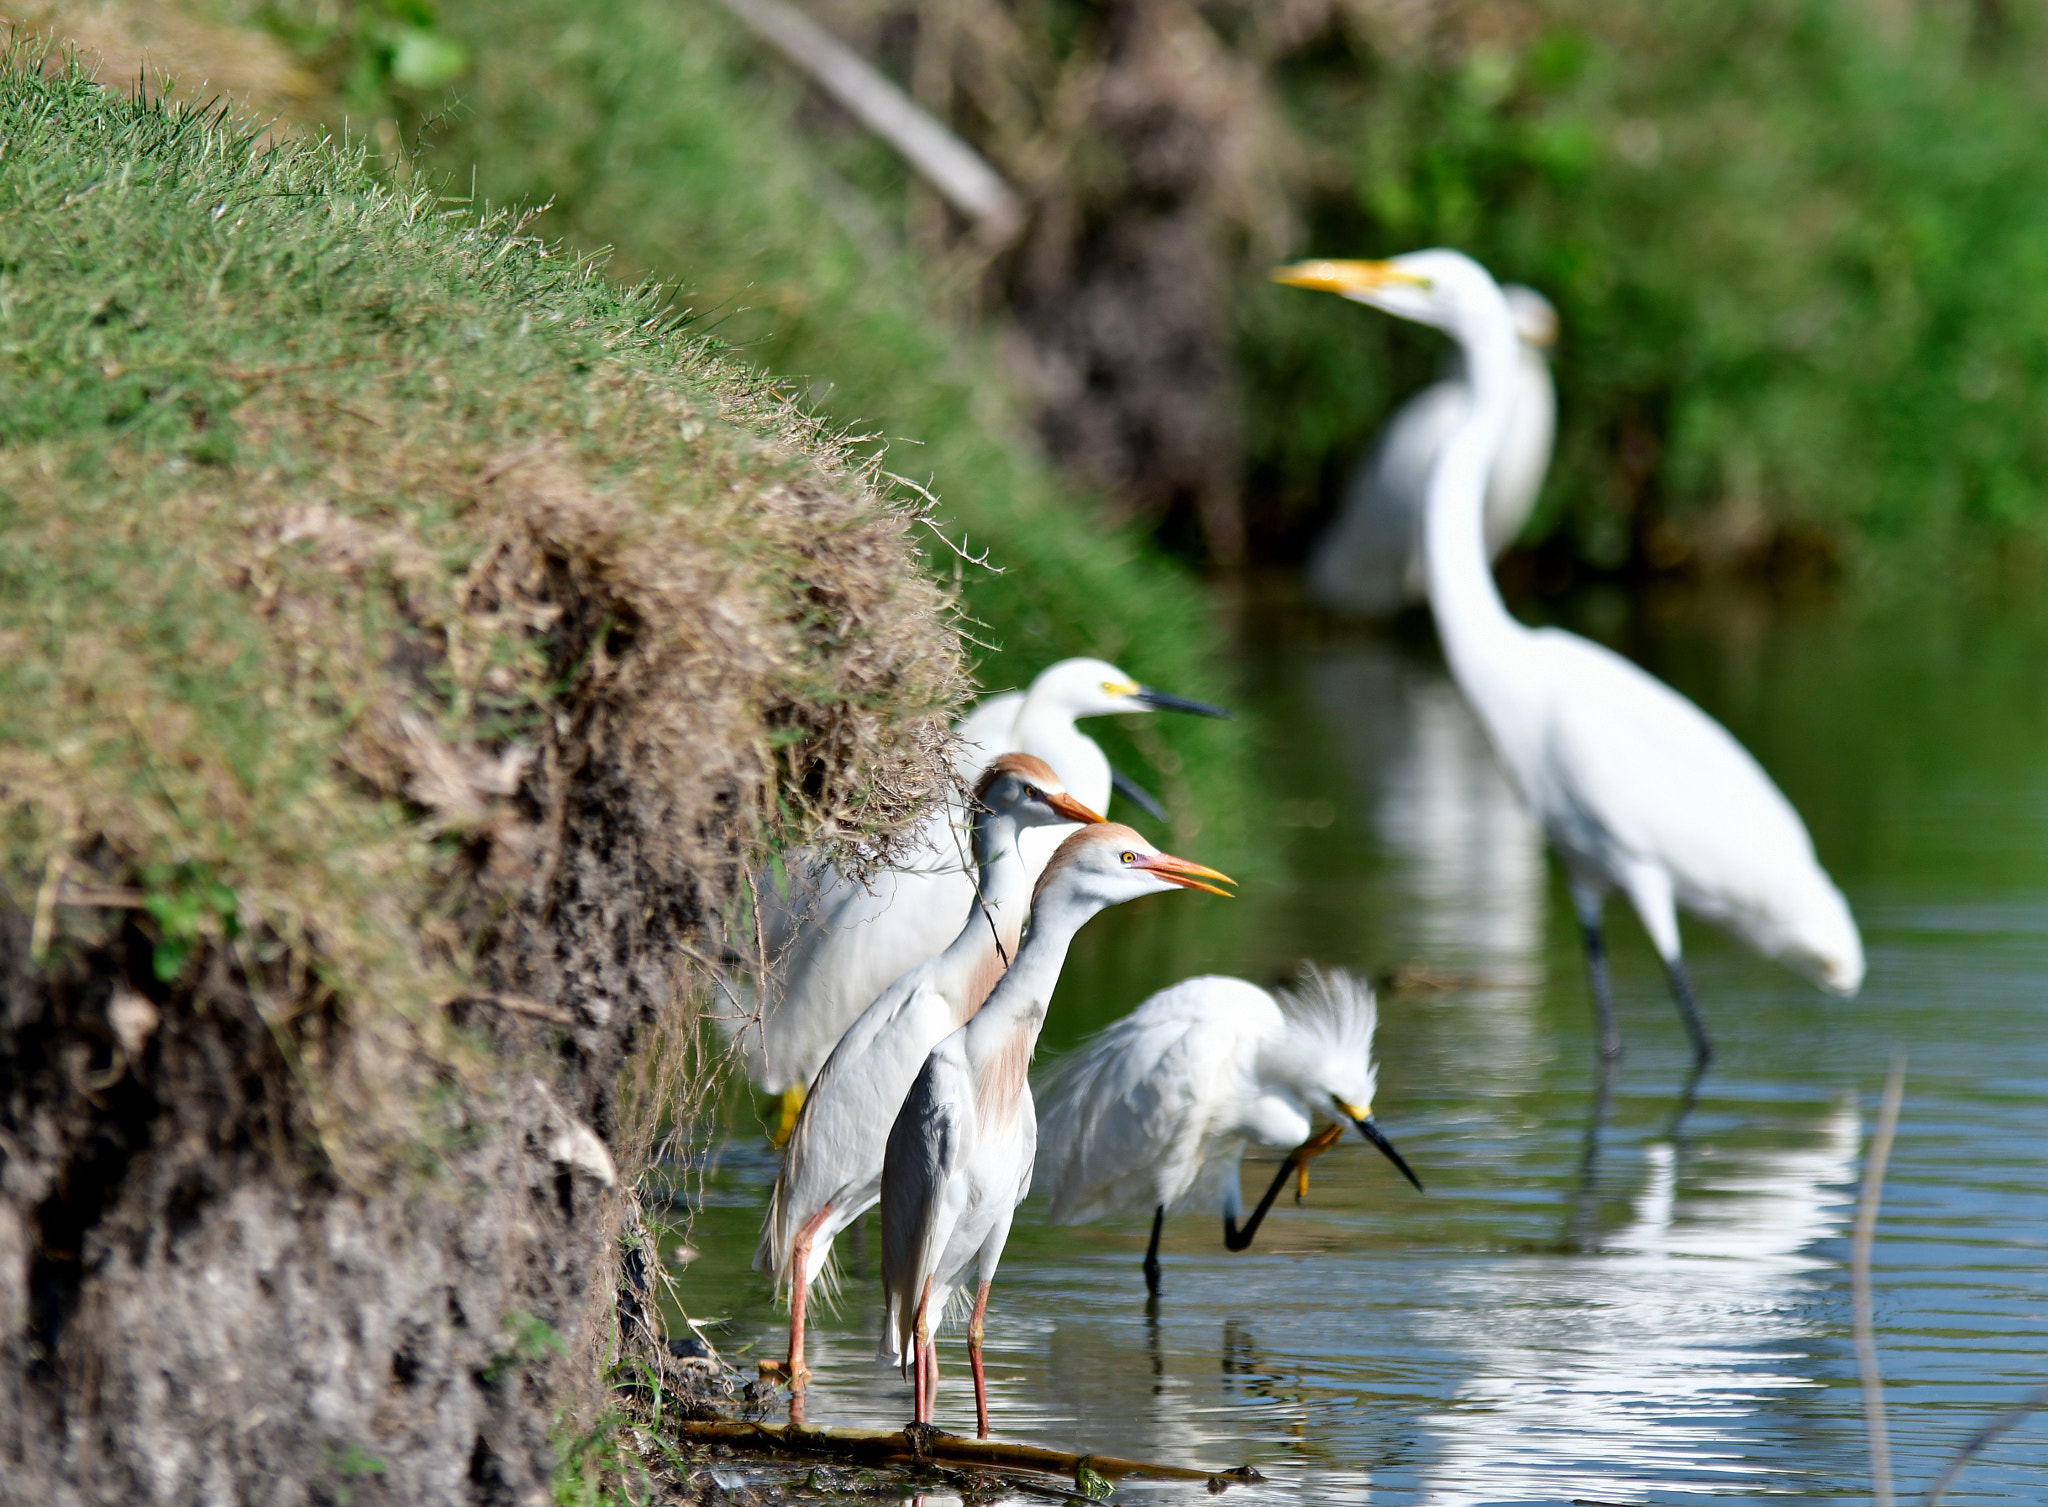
(960, 1153)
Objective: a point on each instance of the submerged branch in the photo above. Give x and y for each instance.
(1859, 1283)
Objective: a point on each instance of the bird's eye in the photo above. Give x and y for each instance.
(1130, 857)
(1033, 793)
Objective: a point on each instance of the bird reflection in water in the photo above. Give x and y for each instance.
(1638, 1367)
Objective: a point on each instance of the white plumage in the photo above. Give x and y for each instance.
(1636, 788)
(960, 1151)
(1369, 561)
(842, 942)
(832, 1165)
(1163, 1104)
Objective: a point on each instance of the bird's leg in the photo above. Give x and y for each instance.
(1152, 1252)
(799, 1291)
(921, 1353)
(1236, 1239)
(1310, 1149)
(1603, 993)
(931, 1380)
(974, 1327)
(1689, 1012)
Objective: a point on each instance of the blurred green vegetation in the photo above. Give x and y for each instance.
(653, 130)
(1797, 247)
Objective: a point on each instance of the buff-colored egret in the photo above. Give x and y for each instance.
(832, 1165)
(1636, 788)
(842, 941)
(1165, 1101)
(960, 1152)
(1368, 562)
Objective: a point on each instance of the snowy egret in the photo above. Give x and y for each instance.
(1636, 788)
(832, 1165)
(1165, 1101)
(1369, 562)
(847, 940)
(959, 1155)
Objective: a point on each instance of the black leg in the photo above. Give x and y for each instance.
(1603, 993)
(1689, 1012)
(1152, 1252)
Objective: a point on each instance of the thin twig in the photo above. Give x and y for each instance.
(2031, 1403)
(1859, 1283)
(519, 1004)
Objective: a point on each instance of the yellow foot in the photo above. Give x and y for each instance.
(792, 1101)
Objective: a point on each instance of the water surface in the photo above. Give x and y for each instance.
(1659, 1313)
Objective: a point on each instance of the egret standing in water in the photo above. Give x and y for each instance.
(1636, 788)
(845, 941)
(832, 1165)
(1369, 562)
(960, 1153)
(1165, 1101)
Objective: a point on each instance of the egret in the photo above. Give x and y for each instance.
(1369, 563)
(1636, 789)
(959, 1154)
(832, 1165)
(1166, 1100)
(847, 940)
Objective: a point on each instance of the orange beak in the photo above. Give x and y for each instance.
(1179, 871)
(1344, 277)
(1070, 808)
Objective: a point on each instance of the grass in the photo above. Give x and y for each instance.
(305, 478)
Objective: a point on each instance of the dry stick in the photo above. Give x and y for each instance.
(2032, 1402)
(962, 175)
(1859, 1283)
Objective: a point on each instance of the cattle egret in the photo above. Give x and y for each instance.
(959, 1155)
(1636, 788)
(1369, 562)
(1166, 1100)
(844, 940)
(832, 1165)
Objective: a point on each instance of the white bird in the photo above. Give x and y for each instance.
(1369, 562)
(960, 1153)
(847, 940)
(1165, 1101)
(832, 1165)
(1636, 788)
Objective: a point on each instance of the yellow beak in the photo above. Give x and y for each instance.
(1345, 277)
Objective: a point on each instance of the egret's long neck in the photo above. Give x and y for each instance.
(987, 942)
(1015, 1012)
(1473, 622)
(1045, 729)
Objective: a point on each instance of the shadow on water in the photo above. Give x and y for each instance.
(1625, 1285)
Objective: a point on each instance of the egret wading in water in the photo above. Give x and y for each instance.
(841, 942)
(960, 1153)
(1636, 788)
(832, 1165)
(1165, 1101)
(1369, 561)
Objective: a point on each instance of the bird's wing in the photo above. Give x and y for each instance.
(922, 1183)
(1639, 768)
(1123, 1120)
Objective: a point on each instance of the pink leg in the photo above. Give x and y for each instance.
(921, 1349)
(931, 1381)
(799, 1290)
(974, 1355)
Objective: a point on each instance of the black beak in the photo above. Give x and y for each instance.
(1137, 794)
(1166, 703)
(1374, 1134)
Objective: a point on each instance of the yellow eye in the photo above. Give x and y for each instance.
(1033, 793)
(1130, 857)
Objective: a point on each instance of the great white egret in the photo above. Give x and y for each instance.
(842, 941)
(1165, 1101)
(832, 1165)
(1636, 788)
(1368, 562)
(959, 1155)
